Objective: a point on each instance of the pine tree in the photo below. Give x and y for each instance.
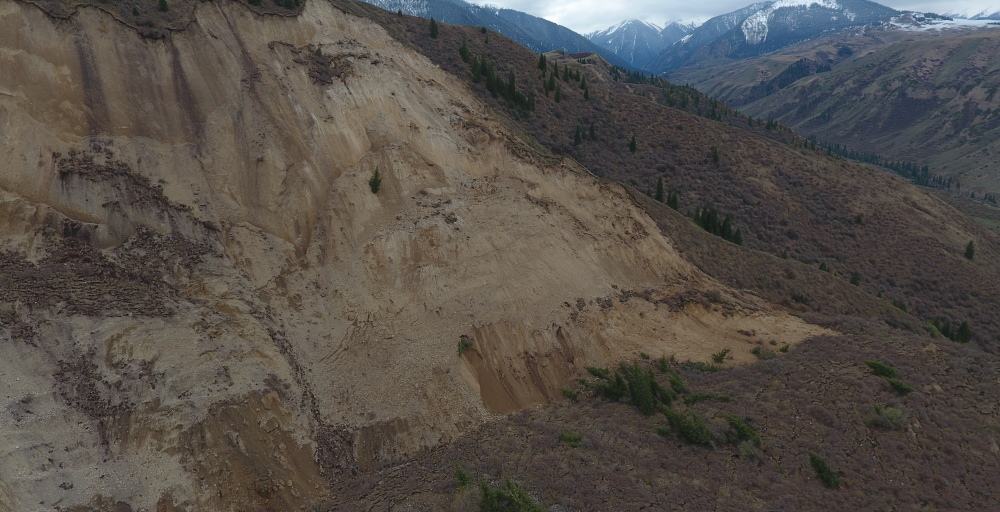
(577, 137)
(477, 70)
(464, 52)
(558, 93)
(632, 145)
(673, 200)
(434, 29)
(715, 155)
(583, 83)
(550, 85)
(163, 6)
(964, 334)
(970, 251)
(586, 94)
(511, 87)
(542, 65)
(659, 189)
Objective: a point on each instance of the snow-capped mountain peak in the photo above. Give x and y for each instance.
(755, 27)
(638, 41)
(769, 25)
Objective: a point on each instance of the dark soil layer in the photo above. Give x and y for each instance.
(156, 19)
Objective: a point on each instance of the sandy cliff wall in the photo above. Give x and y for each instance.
(205, 306)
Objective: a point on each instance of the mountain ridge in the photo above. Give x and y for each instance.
(639, 42)
(767, 26)
(533, 32)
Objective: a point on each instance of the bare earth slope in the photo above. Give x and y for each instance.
(902, 244)
(800, 211)
(204, 306)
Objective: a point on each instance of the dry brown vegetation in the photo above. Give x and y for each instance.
(816, 399)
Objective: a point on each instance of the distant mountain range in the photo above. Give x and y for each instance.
(533, 32)
(638, 42)
(768, 26)
(928, 96)
(972, 15)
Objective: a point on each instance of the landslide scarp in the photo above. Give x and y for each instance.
(209, 304)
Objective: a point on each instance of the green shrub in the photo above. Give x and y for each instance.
(720, 356)
(631, 382)
(507, 497)
(826, 475)
(663, 365)
(784, 348)
(887, 418)
(643, 390)
(162, 5)
(600, 373)
(741, 431)
(689, 427)
(462, 477)
(464, 344)
(571, 439)
(571, 394)
(704, 397)
(763, 353)
(881, 369)
(677, 384)
(375, 182)
(900, 387)
(748, 450)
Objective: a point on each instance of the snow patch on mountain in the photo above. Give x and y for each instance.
(755, 27)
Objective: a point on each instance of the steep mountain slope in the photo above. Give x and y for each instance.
(264, 253)
(768, 26)
(929, 97)
(638, 42)
(309, 262)
(533, 32)
(805, 208)
(788, 199)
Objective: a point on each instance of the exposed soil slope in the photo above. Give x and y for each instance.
(208, 302)
(898, 242)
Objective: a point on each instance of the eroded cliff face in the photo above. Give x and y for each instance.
(205, 307)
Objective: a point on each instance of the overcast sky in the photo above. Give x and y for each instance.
(589, 15)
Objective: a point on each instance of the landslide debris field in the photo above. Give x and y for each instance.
(299, 256)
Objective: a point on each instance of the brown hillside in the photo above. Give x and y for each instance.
(928, 97)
